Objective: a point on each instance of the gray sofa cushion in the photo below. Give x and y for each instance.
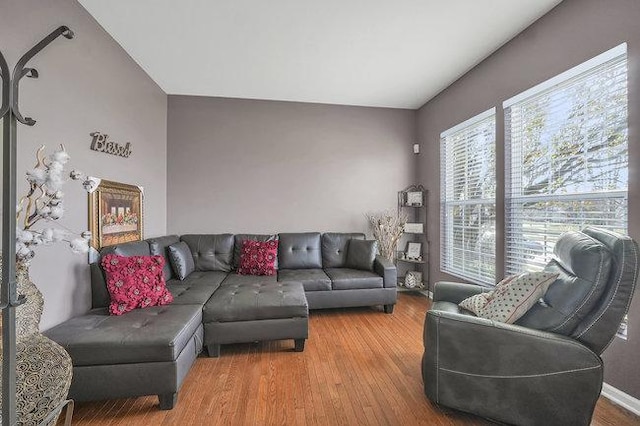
(334, 248)
(181, 260)
(154, 334)
(350, 279)
(211, 252)
(236, 279)
(135, 248)
(361, 254)
(239, 238)
(257, 301)
(197, 288)
(158, 246)
(300, 251)
(311, 279)
(583, 265)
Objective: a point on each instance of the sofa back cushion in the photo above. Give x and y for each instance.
(335, 246)
(158, 247)
(299, 251)
(211, 252)
(583, 265)
(239, 238)
(361, 254)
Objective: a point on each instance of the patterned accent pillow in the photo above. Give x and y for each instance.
(511, 298)
(476, 302)
(258, 257)
(135, 282)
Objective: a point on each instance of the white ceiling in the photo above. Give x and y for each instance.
(381, 53)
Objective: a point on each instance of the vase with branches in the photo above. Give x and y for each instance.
(387, 228)
(44, 368)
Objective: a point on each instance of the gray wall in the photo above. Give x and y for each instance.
(86, 84)
(264, 166)
(573, 32)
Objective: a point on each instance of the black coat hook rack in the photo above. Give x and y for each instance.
(9, 300)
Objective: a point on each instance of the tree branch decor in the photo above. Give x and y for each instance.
(43, 203)
(387, 228)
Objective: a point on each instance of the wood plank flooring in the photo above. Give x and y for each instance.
(360, 367)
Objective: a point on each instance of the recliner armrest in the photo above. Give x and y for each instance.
(456, 292)
(518, 375)
(387, 270)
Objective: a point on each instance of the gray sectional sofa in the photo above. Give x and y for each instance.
(149, 351)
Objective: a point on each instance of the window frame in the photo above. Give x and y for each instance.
(446, 226)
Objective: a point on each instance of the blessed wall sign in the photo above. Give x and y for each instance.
(101, 143)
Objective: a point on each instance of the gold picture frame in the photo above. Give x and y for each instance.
(115, 214)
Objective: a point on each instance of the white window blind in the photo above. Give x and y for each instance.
(566, 153)
(468, 199)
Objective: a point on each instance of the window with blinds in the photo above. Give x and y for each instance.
(566, 158)
(468, 204)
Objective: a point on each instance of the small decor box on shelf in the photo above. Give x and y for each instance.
(414, 228)
(413, 279)
(413, 199)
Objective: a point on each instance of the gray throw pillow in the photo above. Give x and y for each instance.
(181, 259)
(361, 254)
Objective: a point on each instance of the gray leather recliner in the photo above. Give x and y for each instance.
(546, 368)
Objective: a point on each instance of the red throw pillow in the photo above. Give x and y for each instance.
(258, 257)
(135, 282)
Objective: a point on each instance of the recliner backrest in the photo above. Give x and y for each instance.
(583, 265)
(599, 328)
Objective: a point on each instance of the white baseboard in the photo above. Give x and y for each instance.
(622, 399)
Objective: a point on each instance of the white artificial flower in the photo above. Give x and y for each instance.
(24, 236)
(44, 211)
(56, 212)
(47, 235)
(59, 156)
(76, 175)
(58, 195)
(37, 176)
(54, 182)
(89, 185)
(23, 252)
(79, 245)
(58, 234)
(55, 167)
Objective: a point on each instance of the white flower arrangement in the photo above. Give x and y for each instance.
(44, 203)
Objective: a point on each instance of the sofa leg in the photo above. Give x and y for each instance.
(168, 400)
(213, 350)
(388, 309)
(299, 345)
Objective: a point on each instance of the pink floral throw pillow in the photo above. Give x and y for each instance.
(135, 282)
(258, 257)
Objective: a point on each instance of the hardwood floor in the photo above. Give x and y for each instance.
(359, 367)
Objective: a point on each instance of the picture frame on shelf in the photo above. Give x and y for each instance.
(413, 279)
(413, 199)
(413, 228)
(414, 251)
